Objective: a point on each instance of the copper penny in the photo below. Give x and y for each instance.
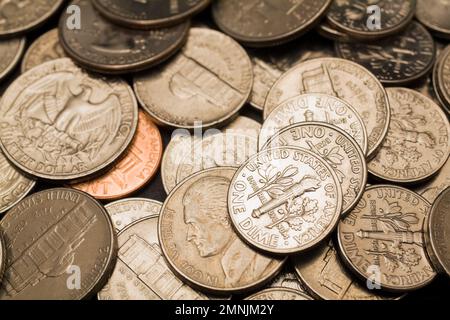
(135, 169)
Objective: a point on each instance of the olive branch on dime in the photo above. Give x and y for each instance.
(275, 183)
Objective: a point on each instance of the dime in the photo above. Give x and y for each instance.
(399, 59)
(14, 186)
(344, 79)
(355, 18)
(11, 51)
(441, 79)
(52, 236)
(325, 277)
(334, 146)
(60, 123)
(319, 108)
(136, 167)
(417, 144)
(382, 239)
(125, 212)
(279, 294)
(268, 66)
(434, 15)
(106, 48)
(2, 257)
(203, 86)
(199, 242)
(285, 200)
(45, 48)
(431, 189)
(287, 278)
(149, 14)
(259, 23)
(437, 231)
(17, 17)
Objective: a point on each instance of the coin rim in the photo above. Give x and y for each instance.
(435, 29)
(30, 186)
(268, 290)
(2, 256)
(17, 57)
(438, 77)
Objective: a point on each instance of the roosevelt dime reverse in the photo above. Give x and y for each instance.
(434, 15)
(199, 242)
(285, 200)
(344, 79)
(334, 146)
(279, 294)
(51, 235)
(11, 51)
(382, 239)
(61, 123)
(318, 108)
(203, 86)
(418, 141)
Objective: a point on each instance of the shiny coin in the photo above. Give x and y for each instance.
(125, 212)
(11, 51)
(199, 242)
(269, 65)
(205, 85)
(2, 257)
(279, 294)
(259, 23)
(149, 14)
(325, 277)
(437, 232)
(19, 16)
(344, 79)
(135, 169)
(417, 145)
(53, 237)
(355, 18)
(398, 59)
(106, 48)
(285, 200)
(141, 272)
(382, 239)
(14, 186)
(334, 146)
(432, 188)
(60, 123)
(43, 49)
(441, 79)
(287, 278)
(318, 108)
(434, 15)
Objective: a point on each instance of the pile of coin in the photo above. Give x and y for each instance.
(292, 150)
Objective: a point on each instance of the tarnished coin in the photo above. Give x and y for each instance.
(318, 108)
(441, 79)
(14, 186)
(330, 32)
(334, 146)
(53, 238)
(260, 23)
(45, 48)
(399, 59)
(432, 188)
(382, 239)
(344, 79)
(2, 257)
(58, 122)
(279, 294)
(135, 169)
(125, 212)
(287, 278)
(356, 17)
(203, 86)
(107, 48)
(11, 51)
(19, 16)
(437, 231)
(269, 65)
(285, 200)
(325, 277)
(434, 15)
(141, 272)
(418, 144)
(149, 14)
(199, 242)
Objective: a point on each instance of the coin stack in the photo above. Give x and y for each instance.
(226, 149)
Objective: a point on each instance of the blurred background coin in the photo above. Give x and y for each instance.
(441, 79)
(205, 85)
(136, 167)
(51, 236)
(267, 23)
(279, 294)
(434, 15)
(287, 278)
(11, 51)
(326, 30)
(2, 257)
